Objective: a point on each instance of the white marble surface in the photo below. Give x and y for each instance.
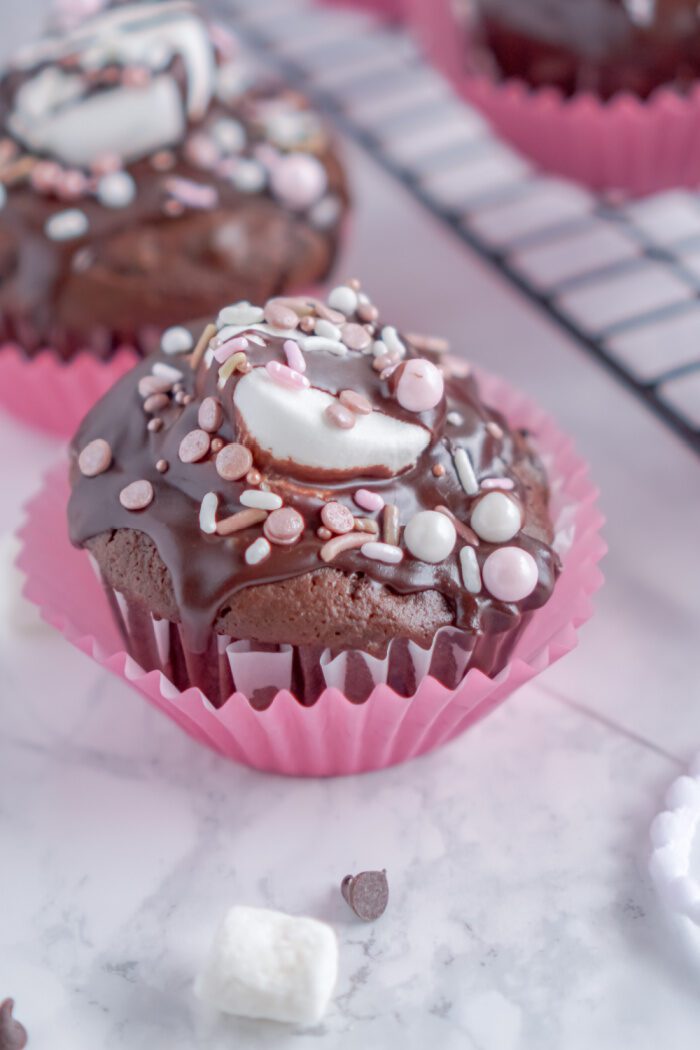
(521, 916)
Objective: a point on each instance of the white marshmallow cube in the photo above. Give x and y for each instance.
(265, 964)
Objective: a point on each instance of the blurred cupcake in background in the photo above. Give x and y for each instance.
(147, 172)
(602, 91)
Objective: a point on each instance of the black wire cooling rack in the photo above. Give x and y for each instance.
(623, 280)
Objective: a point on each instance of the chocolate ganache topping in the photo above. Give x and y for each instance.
(304, 435)
(144, 163)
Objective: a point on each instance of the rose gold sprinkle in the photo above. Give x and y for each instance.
(340, 416)
(284, 526)
(357, 403)
(136, 496)
(390, 524)
(367, 312)
(210, 415)
(432, 344)
(95, 458)
(233, 462)
(202, 345)
(337, 518)
(217, 444)
(463, 530)
(323, 533)
(253, 477)
(366, 525)
(162, 466)
(307, 324)
(438, 470)
(355, 336)
(338, 544)
(155, 402)
(155, 425)
(153, 385)
(194, 446)
(243, 519)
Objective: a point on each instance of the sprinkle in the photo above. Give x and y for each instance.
(149, 385)
(467, 534)
(154, 424)
(497, 483)
(430, 536)
(367, 312)
(390, 338)
(471, 575)
(202, 151)
(284, 526)
(136, 496)
(431, 344)
(257, 551)
(382, 552)
(357, 403)
(338, 544)
(241, 313)
(248, 175)
(344, 299)
(173, 208)
(253, 477)
(95, 458)
(323, 533)
(260, 500)
(116, 189)
(327, 330)
(67, 225)
(280, 316)
(192, 194)
(388, 372)
(235, 363)
(379, 348)
(337, 518)
(210, 415)
(202, 345)
(465, 472)
(307, 324)
(164, 160)
(454, 418)
(155, 402)
(194, 446)
(420, 386)
(244, 519)
(339, 416)
(368, 500)
(384, 361)
(176, 340)
(233, 462)
(207, 513)
(217, 443)
(355, 336)
(438, 470)
(326, 312)
(494, 430)
(295, 358)
(71, 185)
(332, 346)
(390, 524)
(230, 347)
(164, 371)
(162, 466)
(286, 376)
(354, 283)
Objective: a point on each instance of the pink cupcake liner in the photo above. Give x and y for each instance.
(630, 144)
(334, 736)
(51, 394)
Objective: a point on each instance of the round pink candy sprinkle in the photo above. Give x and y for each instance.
(229, 348)
(298, 180)
(194, 446)
(95, 458)
(356, 336)
(368, 500)
(420, 386)
(340, 416)
(136, 496)
(284, 526)
(510, 574)
(280, 316)
(202, 151)
(357, 403)
(337, 518)
(286, 376)
(295, 358)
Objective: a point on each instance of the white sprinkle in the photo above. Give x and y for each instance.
(469, 565)
(465, 472)
(385, 552)
(390, 338)
(317, 342)
(176, 340)
(325, 213)
(379, 349)
(207, 513)
(328, 330)
(3, 196)
(260, 500)
(494, 429)
(454, 418)
(257, 339)
(67, 225)
(248, 176)
(257, 551)
(497, 483)
(173, 375)
(343, 298)
(239, 314)
(116, 190)
(229, 135)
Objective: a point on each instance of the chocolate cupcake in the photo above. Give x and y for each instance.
(146, 174)
(309, 481)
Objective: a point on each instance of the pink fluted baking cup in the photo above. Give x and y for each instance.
(52, 394)
(334, 736)
(630, 144)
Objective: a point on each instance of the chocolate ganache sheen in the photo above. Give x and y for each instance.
(304, 436)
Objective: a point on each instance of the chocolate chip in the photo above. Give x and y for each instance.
(13, 1035)
(95, 458)
(366, 893)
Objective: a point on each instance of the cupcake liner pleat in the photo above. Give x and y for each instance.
(333, 736)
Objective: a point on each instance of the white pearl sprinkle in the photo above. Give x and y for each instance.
(343, 298)
(257, 552)
(430, 536)
(496, 518)
(465, 472)
(176, 340)
(207, 513)
(240, 314)
(471, 575)
(385, 552)
(67, 225)
(454, 418)
(116, 190)
(229, 135)
(249, 176)
(379, 349)
(260, 500)
(173, 375)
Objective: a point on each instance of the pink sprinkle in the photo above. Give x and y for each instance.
(232, 346)
(192, 194)
(295, 358)
(497, 483)
(385, 552)
(340, 416)
(368, 500)
(286, 376)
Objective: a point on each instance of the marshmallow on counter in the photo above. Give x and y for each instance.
(16, 613)
(264, 964)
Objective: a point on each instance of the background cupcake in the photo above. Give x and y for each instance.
(146, 173)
